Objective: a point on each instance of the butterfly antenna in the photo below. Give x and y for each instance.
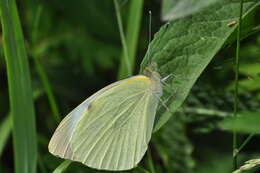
(150, 33)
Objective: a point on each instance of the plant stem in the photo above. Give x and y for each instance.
(236, 84)
(40, 69)
(244, 143)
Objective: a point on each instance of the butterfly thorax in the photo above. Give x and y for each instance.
(151, 72)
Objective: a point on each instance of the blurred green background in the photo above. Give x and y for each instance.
(79, 47)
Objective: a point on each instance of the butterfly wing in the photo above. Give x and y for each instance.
(60, 142)
(113, 132)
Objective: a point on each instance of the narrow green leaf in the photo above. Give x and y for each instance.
(174, 9)
(186, 46)
(20, 91)
(6, 125)
(245, 122)
(40, 69)
(132, 33)
(62, 167)
(126, 61)
(48, 89)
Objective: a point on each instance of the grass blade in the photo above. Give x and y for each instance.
(40, 69)
(132, 33)
(122, 36)
(20, 91)
(6, 126)
(62, 167)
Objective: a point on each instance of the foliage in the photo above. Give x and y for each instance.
(186, 52)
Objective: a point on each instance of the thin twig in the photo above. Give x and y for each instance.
(244, 143)
(236, 85)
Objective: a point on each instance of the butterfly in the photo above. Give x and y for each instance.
(111, 129)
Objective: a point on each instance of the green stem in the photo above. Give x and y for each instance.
(236, 84)
(40, 70)
(36, 23)
(48, 89)
(244, 143)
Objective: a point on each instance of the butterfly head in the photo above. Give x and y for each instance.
(151, 71)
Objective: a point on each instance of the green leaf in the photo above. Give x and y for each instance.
(185, 47)
(20, 90)
(245, 122)
(62, 167)
(40, 69)
(174, 9)
(6, 125)
(132, 35)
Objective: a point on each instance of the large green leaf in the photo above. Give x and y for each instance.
(20, 91)
(185, 47)
(173, 9)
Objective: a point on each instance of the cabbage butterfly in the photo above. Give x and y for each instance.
(111, 129)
